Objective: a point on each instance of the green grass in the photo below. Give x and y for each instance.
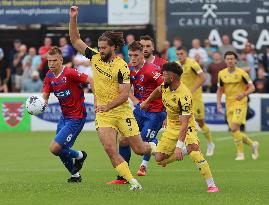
(29, 174)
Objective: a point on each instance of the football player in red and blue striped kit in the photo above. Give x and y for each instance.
(66, 84)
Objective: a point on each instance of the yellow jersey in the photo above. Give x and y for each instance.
(189, 77)
(177, 103)
(107, 76)
(233, 83)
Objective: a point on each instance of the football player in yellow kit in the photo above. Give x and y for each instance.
(236, 84)
(111, 79)
(180, 136)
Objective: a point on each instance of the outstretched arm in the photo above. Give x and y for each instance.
(157, 93)
(74, 33)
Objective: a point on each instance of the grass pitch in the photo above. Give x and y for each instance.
(29, 174)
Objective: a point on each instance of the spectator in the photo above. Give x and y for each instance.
(172, 51)
(209, 50)
(34, 85)
(265, 60)
(213, 69)
(243, 63)
(35, 60)
(198, 53)
(226, 46)
(16, 47)
(164, 52)
(17, 63)
(260, 81)
(67, 50)
(129, 39)
(5, 73)
(251, 59)
(42, 51)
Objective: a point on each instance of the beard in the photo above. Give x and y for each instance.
(105, 57)
(147, 55)
(167, 84)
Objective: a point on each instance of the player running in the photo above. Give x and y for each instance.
(180, 137)
(112, 87)
(145, 77)
(194, 77)
(236, 84)
(66, 84)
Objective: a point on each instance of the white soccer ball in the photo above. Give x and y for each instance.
(35, 105)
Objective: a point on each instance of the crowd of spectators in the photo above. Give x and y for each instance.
(23, 69)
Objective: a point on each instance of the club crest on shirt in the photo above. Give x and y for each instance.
(156, 75)
(13, 113)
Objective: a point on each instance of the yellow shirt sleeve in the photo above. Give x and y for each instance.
(246, 78)
(196, 67)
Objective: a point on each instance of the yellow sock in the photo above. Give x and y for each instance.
(247, 140)
(202, 164)
(238, 140)
(171, 159)
(207, 133)
(124, 171)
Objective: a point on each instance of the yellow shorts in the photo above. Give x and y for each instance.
(237, 114)
(168, 141)
(126, 127)
(198, 109)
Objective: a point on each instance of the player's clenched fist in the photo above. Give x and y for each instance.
(73, 11)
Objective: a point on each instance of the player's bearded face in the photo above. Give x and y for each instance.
(105, 50)
(147, 48)
(166, 79)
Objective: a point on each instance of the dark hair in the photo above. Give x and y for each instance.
(172, 67)
(147, 38)
(55, 51)
(230, 53)
(113, 38)
(182, 48)
(135, 46)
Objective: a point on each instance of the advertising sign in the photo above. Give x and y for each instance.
(240, 19)
(51, 12)
(128, 12)
(265, 114)
(13, 116)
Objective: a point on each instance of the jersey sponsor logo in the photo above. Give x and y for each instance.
(13, 113)
(103, 72)
(62, 93)
(141, 78)
(53, 113)
(156, 75)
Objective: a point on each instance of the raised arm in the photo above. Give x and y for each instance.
(74, 32)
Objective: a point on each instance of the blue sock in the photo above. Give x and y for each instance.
(125, 152)
(68, 163)
(147, 157)
(69, 153)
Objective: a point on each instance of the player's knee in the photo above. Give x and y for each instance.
(110, 150)
(139, 150)
(158, 157)
(54, 150)
(123, 142)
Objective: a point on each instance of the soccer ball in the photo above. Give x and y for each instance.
(35, 105)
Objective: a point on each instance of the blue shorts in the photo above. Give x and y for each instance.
(68, 130)
(149, 123)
